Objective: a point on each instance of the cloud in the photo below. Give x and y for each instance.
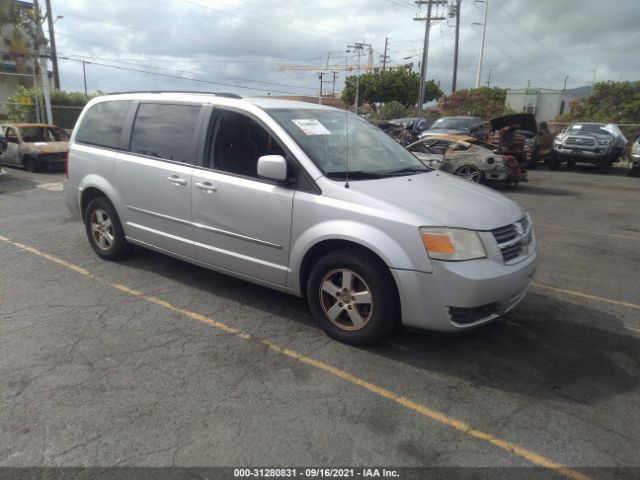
(243, 44)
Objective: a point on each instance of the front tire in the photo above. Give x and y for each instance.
(104, 230)
(554, 162)
(30, 164)
(353, 297)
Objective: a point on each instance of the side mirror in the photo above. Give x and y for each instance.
(272, 167)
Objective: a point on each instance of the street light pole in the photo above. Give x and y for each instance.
(484, 33)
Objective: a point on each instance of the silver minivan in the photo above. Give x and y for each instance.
(302, 198)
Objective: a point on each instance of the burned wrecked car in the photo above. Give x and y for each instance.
(521, 136)
(33, 145)
(469, 158)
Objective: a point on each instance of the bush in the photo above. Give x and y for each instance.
(65, 106)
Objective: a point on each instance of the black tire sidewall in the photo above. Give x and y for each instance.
(119, 248)
(383, 291)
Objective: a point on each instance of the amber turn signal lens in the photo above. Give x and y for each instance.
(438, 243)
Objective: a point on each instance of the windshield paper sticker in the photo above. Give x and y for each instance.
(311, 126)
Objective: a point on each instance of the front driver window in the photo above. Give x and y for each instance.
(239, 142)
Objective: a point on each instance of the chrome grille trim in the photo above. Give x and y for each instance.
(514, 239)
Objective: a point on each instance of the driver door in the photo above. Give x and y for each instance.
(242, 223)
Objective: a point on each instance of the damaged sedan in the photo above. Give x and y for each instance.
(33, 146)
(469, 158)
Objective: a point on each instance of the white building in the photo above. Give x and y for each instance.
(545, 103)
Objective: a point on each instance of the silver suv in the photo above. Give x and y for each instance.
(301, 198)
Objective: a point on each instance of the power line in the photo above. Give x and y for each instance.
(209, 82)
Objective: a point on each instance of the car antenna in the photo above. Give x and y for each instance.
(346, 126)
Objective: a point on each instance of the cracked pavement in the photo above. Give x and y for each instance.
(94, 377)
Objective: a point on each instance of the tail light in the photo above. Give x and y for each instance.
(513, 164)
(66, 165)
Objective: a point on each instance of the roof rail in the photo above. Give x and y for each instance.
(197, 92)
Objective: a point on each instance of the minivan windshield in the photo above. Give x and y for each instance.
(451, 124)
(330, 137)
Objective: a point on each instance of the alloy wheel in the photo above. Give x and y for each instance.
(102, 229)
(469, 173)
(346, 299)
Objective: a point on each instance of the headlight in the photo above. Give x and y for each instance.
(453, 244)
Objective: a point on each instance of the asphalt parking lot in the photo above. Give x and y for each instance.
(155, 362)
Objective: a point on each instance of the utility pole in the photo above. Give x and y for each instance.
(333, 88)
(320, 75)
(425, 51)
(565, 82)
(484, 33)
(455, 51)
(52, 40)
(489, 79)
(42, 59)
(593, 82)
(358, 47)
(84, 77)
(384, 57)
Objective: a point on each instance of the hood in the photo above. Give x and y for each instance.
(48, 147)
(441, 199)
(527, 121)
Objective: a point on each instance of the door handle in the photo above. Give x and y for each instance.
(206, 186)
(176, 180)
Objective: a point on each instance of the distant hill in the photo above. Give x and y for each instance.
(580, 92)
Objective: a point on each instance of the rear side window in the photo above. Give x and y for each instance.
(102, 124)
(165, 131)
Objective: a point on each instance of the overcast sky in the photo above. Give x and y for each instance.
(240, 45)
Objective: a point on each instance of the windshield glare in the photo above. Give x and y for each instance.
(450, 123)
(589, 128)
(322, 134)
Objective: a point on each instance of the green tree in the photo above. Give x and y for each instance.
(379, 87)
(432, 91)
(484, 102)
(611, 102)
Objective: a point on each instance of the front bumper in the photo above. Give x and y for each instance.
(458, 296)
(588, 156)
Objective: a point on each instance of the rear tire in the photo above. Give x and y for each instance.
(104, 230)
(471, 173)
(353, 296)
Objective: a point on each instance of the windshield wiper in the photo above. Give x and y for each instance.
(355, 175)
(407, 171)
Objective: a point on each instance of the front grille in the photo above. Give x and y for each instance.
(513, 240)
(580, 141)
(465, 316)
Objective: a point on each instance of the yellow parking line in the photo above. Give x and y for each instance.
(423, 410)
(587, 296)
(614, 235)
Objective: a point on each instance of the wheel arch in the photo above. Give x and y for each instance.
(94, 186)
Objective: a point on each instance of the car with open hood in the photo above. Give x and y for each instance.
(598, 144)
(304, 199)
(522, 136)
(33, 145)
(468, 158)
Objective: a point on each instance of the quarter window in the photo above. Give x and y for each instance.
(102, 124)
(165, 131)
